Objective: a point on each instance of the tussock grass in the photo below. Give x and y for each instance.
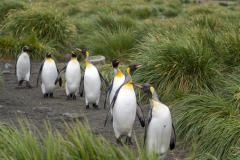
(11, 47)
(26, 142)
(48, 24)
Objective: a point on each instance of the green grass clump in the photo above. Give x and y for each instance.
(11, 47)
(48, 24)
(78, 142)
(176, 64)
(7, 5)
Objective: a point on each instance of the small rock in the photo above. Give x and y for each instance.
(42, 109)
(21, 112)
(5, 72)
(8, 65)
(1, 106)
(51, 114)
(73, 116)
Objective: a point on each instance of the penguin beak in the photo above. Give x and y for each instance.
(49, 53)
(118, 61)
(79, 49)
(138, 85)
(139, 65)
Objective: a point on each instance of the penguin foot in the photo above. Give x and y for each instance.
(20, 82)
(87, 107)
(95, 106)
(74, 97)
(45, 95)
(128, 141)
(28, 84)
(68, 97)
(119, 141)
(51, 95)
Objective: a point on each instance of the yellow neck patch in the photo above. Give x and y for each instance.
(49, 59)
(152, 90)
(119, 73)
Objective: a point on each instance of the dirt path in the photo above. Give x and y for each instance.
(16, 101)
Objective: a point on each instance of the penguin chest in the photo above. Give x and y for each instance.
(159, 130)
(49, 73)
(23, 64)
(124, 110)
(73, 75)
(116, 84)
(92, 83)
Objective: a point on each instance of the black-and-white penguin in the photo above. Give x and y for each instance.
(49, 73)
(92, 81)
(159, 133)
(23, 67)
(124, 107)
(116, 82)
(73, 76)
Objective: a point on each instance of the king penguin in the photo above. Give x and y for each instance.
(49, 73)
(124, 107)
(159, 133)
(73, 76)
(116, 82)
(23, 67)
(92, 81)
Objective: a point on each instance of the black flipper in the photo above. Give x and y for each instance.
(149, 120)
(103, 80)
(60, 74)
(60, 79)
(113, 102)
(108, 92)
(40, 71)
(140, 115)
(81, 87)
(173, 138)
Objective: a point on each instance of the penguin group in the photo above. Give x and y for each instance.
(159, 130)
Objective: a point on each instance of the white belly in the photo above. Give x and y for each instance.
(116, 84)
(124, 112)
(49, 75)
(23, 67)
(92, 85)
(159, 131)
(73, 76)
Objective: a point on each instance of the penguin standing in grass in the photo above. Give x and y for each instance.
(124, 107)
(73, 76)
(92, 82)
(116, 82)
(23, 67)
(49, 73)
(159, 133)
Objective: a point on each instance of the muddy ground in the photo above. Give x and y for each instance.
(15, 101)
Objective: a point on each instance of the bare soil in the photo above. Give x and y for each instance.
(15, 101)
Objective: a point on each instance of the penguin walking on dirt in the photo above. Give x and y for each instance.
(159, 133)
(73, 76)
(92, 80)
(124, 107)
(116, 82)
(49, 73)
(23, 67)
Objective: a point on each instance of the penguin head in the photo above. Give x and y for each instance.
(74, 55)
(115, 63)
(84, 52)
(147, 88)
(48, 55)
(25, 48)
(133, 67)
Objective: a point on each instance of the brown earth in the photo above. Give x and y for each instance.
(15, 101)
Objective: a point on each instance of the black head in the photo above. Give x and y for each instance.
(84, 52)
(115, 63)
(133, 67)
(147, 88)
(25, 48)
(48, 54)
(74, 54)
